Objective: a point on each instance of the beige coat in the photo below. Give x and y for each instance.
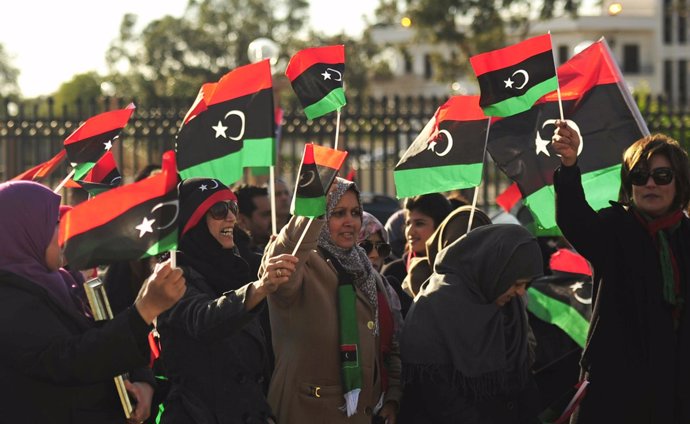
(306, 383)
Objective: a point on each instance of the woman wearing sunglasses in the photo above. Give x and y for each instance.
(636, 357)
(212, 345)
(336, 358)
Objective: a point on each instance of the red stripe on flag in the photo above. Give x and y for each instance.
(509, 197)
(241, 81)
(509, 56)
(304, 59)
(461, 108)
(101, 123)
(42, 170)
(325, 156)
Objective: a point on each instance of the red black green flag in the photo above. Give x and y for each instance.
(42, 170)
(597, 104)
(509, 197)
(230, 126)
(102, 177)
(316, 75)
(126, 223)
(319, 167)
(95, 137)
(449, 152)
(513, 78)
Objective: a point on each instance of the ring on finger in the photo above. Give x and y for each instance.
(279, 273)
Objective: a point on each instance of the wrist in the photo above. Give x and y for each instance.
(145, 311)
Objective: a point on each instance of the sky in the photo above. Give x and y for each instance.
(51, 41)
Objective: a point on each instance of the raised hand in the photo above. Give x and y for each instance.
(160, 291)
(565, 142)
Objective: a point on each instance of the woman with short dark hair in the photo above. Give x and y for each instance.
(636, 356)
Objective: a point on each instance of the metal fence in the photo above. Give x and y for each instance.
(375, 132)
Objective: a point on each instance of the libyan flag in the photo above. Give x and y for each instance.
(511, 79)
(102, 177)
(230, 126)
(599, 106)
(319, 167)
(449, 152)
(316, 76)
(42, 170)
(131, 222)
(95, 137)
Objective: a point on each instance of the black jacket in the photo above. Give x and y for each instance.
(56, 366)
(213, 351)
(638, 365)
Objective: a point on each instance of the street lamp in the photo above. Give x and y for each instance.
(263, 48)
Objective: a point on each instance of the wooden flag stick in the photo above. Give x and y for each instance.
(272, 189)
(558, 84)
(337, 129)
(63, 182)
(476, 189)
(294, 252)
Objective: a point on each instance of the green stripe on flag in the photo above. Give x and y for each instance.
(600, 187)
(562, 315)
(169, 242)
(227, 169)
(310, 206)
(258, 152)
(515, 105)
(329, 103)
(413, 182)
(81, 169)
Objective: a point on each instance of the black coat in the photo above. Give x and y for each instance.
(639, 367)
(56, 366)
(213, 352)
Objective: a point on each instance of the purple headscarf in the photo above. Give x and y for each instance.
(28, 215)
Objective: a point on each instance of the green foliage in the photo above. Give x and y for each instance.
(8, 75)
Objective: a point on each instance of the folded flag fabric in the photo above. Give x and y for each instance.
(316, 75)
(230, 126)
(597, 104)
(42, 170)
(513, 78)
(509, 197)
(130, 222)
(449, 152)
(319, 168)
(95, 137)
(102, 177)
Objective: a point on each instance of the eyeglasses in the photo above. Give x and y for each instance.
(220, 210)
(382, 248)
(661, 176)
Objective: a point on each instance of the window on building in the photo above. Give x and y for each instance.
(668, 79)
(683, 82)
(408, 63)
(631, 58)
(562, 54)
(667, 21)
(428, 67)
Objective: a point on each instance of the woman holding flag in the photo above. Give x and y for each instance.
(331, 323)
(636, 357)
(212, 345)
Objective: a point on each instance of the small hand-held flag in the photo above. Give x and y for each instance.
(316, 75)
(42, 170)
(449, 152)
(319, 167)
(102, 177)
(126, 223)
(513, 78)
(230, 126)
(95, 137)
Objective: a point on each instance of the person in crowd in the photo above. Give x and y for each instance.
(465, 344)
(395, 228)
(423, 214)
(636, 355)
(254, 215)
(336, 357)
(212, 345)
(452, 228)
(57, 365)
(283, 199)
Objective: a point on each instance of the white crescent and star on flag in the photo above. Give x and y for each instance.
(337, 75)
(542, 144)
(221, 130)
(146, 225)
(510, 81)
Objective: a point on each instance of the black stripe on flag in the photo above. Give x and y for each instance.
(492, 84)
(90, 149)
(318, 80)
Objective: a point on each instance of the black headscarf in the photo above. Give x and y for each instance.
(223, 269)
(454, 324)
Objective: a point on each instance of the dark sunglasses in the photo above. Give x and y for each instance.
(382, 248)
(220, 210)
(661, 176)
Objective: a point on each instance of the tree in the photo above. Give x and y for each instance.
(8, 75)
(173, 57)
(84, 88)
